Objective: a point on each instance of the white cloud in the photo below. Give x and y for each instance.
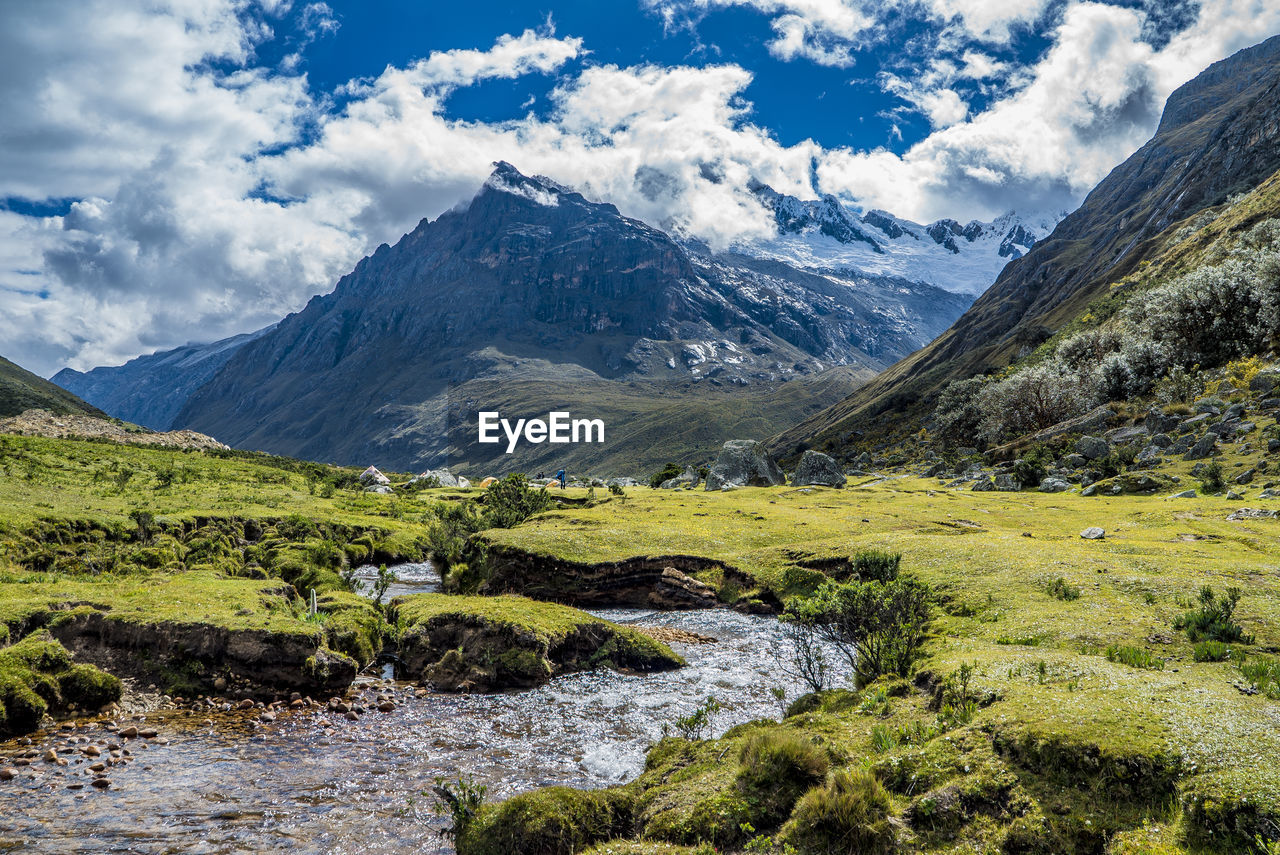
(217, 195)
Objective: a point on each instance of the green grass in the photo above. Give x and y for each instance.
(1112, 743)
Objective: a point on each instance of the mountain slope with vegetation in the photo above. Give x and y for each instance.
(20, 390)
(1217, 140)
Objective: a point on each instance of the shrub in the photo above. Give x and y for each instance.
(1214, 620)
(511, 501)
(808, 663)
(1060, 589)
(460, 800)
(1031, 399)
(1263, 674)
(876, 564)
(879, 626)
(449, 533)
(778, 767)
(1211, 480)
(666, 473)
(850, 813)
(1210, 651)
(693, 725)
(550, 821)
(1134, 657)
(958, 412)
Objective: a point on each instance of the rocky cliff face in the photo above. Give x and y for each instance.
(531, 282)
(1219, 136)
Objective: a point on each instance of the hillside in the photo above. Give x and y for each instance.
(1217, 139)
(536, 298)
(20, 390)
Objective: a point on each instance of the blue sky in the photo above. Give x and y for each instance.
(182, 171)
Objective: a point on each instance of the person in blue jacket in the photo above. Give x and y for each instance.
(561, 476)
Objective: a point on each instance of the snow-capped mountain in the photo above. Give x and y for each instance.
(825, 234)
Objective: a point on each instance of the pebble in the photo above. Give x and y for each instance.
(246, 704)
(98, 767)
(102, 783)
(351, 716)
(51, 756)
(148, 733)
(92, 751)
(386, 706)
(267, 717)
(8, 774)
(75, 785)
(130, 732)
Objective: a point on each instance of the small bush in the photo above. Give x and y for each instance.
(778, 767)
(511, 501)
(1060, 589)
(1263, 674)
(850, 813)
(550, 821)
(1210, 651)
(1134, 657)
(1211, 480)
(1214, 620)
(879, 626)
(693, 725)
(876, 564)
(666, 473)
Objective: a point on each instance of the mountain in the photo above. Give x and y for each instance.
(537, 298)
(149, 390)
(826, 235)
(20, 390)
(1218, 138)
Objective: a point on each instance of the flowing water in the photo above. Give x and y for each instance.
(318, 783)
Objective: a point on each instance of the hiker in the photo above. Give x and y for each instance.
(560, 476)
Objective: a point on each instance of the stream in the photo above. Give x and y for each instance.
(317, 783)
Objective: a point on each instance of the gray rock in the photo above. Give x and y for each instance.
(1245, 477)
(1252, 514)
(1269, 494)
(1234, 411)
(1205, 447)
(863, 461)
(1185, 494)
(1245, 427)
(442, 477)
(688, 479)
(1091, 490)
(622, 482)
(1206, 407)
(1196, 421)
(379, 488)
(1150, 455)
(965, 451)
(1075, 461)
(820, 469)
(1054, 485)
(744, 463)
(1273, 445)
(983, 484)
(1233, 496)
(1008, 484)
(1157, 422)
(1181, 446)
(1161, 440)
(1093, 533)
(1264, 381)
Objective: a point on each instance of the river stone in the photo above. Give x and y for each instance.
(8, 774)
(1054, 485)
(1093, 533)
(817, 468)
(373, 476)
(1204, 447)
(744, 463)
(688, 478)
(1092, 447)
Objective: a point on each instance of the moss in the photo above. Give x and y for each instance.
(352, 625)
(551, 821)
(37, 676)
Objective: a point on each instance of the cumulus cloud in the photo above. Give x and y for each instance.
(213, 195)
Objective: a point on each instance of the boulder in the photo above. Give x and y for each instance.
(744, 463)
(1161, 440)
(441, 477)
(1233, 496)
(820, 469)
(1205, 447)
(1007, 484)
(1185, 494)
(1054, 485)
(1264, 381)
(983, 484)
(1252, 514)
(1093, 533)
(373, 476)
(688, 478)
(1159, 422)
(622, 482)
(379, 488)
